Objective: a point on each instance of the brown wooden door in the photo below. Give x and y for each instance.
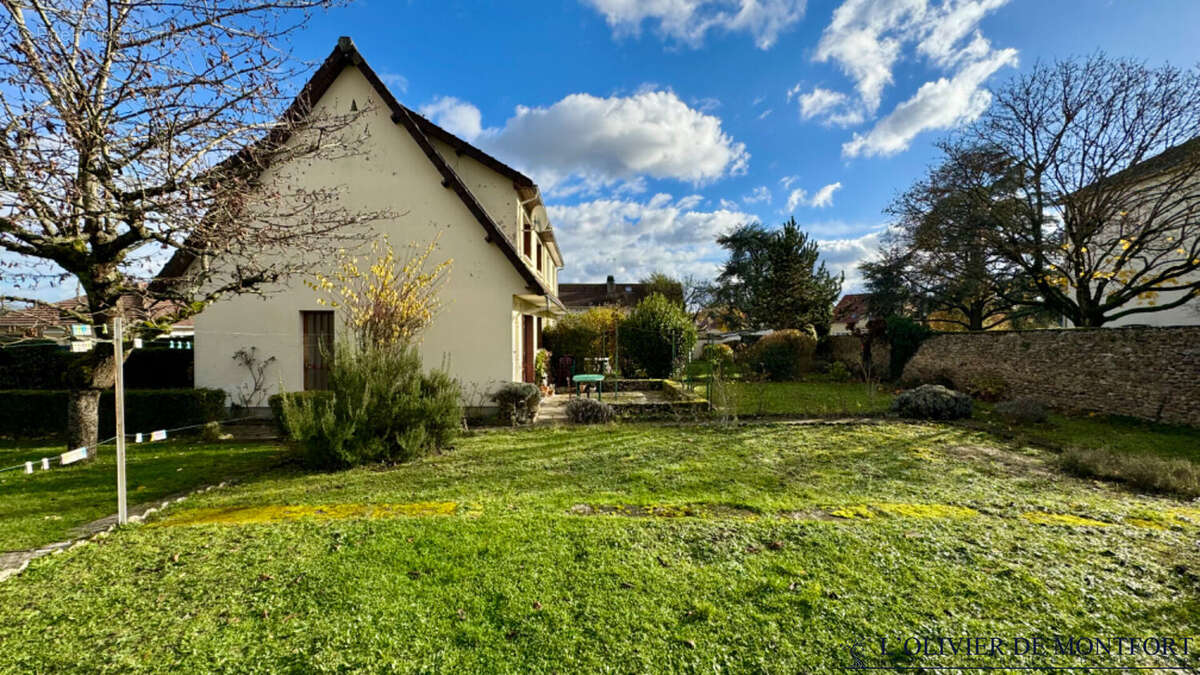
(527, 348)
(318, 348)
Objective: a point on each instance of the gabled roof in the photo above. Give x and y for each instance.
(345, 54)
(597, 295)
(852, 307)
(1188, 151)
(57, 313)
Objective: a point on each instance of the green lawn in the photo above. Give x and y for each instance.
(818, 396)
(815, 396)
(757, 548)
(43, 507)
(1103, 432)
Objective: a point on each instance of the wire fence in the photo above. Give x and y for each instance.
(138, 438)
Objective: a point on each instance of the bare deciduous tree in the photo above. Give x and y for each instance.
(134, 131)
(1106, 167)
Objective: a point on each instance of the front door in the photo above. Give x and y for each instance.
(527, 349)
(318, 348)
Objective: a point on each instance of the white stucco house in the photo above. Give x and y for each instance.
(488, 217)
(1169, 183)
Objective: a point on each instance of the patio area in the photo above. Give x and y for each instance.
(633, 399)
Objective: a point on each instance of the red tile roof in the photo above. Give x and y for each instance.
(851, 308)
(597, 295)
(43, 316)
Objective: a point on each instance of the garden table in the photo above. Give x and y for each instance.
(581, 379)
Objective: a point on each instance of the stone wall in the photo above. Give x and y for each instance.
(1151, 373)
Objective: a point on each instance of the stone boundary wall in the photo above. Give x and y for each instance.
(1147, 372)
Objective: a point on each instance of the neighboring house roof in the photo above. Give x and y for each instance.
(599, 295)
(57, 313)
(346, 54)
(1174, 156)
(851, 308)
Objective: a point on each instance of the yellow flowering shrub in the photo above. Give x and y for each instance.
(391, 300)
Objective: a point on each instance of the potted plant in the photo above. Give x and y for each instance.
(541, 368)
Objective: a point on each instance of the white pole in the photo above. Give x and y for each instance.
(119, 405)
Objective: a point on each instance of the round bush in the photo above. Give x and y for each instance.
(657, 336)
(718, 354)
(933, 402)
(518, 401)
(838, 372)
(589, 411)
(380, 407)
(783, 355)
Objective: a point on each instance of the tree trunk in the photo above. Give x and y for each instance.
(86, 377)
(83, 419)
(975, 318)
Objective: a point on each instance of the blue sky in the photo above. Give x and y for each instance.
(655, 125)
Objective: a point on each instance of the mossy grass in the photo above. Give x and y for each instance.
(723, 555)
(47, 506)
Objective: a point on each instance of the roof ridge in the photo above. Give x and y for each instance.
(346, 53)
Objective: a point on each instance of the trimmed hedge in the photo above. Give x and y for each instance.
(43, 413)
(42, 366)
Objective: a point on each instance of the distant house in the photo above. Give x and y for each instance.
(1156, 171)
(582, 297)
(502, 286)
(53, 322)
(851, 311)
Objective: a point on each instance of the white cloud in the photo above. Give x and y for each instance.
(766, 113)
(458, 117)
(585, 142)
(821, 199)
(787, 181)
(866, 39)
(762, 193)
(942, 104)
(630, 239)
(796, 198)
(824, 196)
(950, 25)
(689, 21)
(845, 254)
(836, 107)
(394, 81)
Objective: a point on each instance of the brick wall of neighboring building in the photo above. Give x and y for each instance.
(1151, 373)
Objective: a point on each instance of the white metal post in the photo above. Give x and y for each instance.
(119, 405)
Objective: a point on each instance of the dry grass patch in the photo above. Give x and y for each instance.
(1142, 471)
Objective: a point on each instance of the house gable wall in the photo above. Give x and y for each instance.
(471, 335)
